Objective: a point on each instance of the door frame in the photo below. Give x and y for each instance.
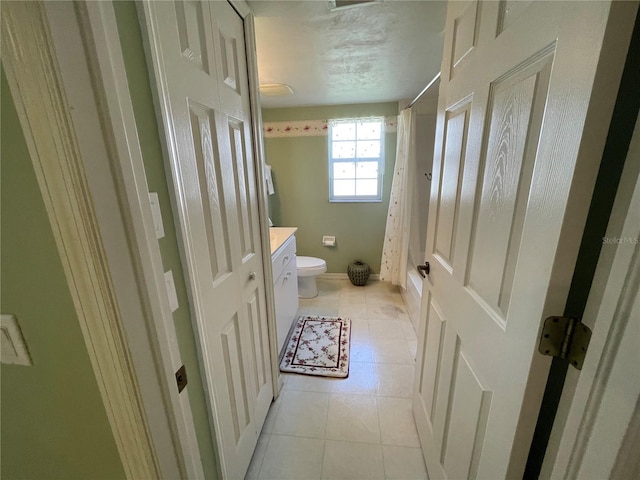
(102, 45)
(561, 382)
(35, 78)
(152, 442)
(608, 313)
(101, 36)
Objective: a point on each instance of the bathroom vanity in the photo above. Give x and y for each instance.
(285, 279)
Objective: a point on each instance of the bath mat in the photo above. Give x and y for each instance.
(318, 346)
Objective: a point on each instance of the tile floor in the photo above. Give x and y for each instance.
(354, 428)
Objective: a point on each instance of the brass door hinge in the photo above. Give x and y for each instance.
(565, 337)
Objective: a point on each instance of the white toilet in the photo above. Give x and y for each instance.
(308, 269)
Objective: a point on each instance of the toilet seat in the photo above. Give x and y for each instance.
(310, 266)
(310, 262)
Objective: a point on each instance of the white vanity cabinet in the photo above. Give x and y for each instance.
(285, 287)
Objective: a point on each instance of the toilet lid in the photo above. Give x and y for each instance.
(309, 262)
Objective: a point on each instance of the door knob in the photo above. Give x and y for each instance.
(252, 276)
(422, 269)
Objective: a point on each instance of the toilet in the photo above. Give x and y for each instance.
(308, 269)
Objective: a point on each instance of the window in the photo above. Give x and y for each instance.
(356, 160)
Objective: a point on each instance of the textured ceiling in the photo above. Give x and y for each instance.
(374, 53)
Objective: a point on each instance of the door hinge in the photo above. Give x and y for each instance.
(565, 337)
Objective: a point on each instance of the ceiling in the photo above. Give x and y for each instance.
(379, 52)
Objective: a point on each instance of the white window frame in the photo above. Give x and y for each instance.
(355, 159)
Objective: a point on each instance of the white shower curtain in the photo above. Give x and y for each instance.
(395, 249)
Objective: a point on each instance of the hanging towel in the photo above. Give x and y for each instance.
(269, 179)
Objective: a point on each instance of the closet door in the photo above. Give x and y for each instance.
(525, 91)
(200, 66)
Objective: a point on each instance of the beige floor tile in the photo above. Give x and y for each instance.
(331, 285)
(353, 418)
(329, 309)
(302, 414)
(408, 330)
(382, 287)
(360, 330)
(349, 296)
(271, 415)
(324, 296)
(362, 380)
(362, 351)
(308, 383)
(258, 457)
(382, 311)
(364, 411)
(352, 461)
(377, 298)
(353, 310)
(403, 463)
(390, 329)
(397, 426)
(398, 301)
(395, 380)
(391, 351)
(292, 458)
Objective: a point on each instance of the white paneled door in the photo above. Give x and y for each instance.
(526, 92)
(198, 52)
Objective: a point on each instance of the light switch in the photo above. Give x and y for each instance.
(13, 347)
(171, 290)
(156, 214)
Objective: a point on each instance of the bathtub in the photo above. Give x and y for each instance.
(412, 296)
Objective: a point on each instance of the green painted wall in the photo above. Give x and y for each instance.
(301, 179)
(54, 424)
(142, 99)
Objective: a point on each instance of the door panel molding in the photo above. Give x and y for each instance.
(257, 135)
(223, 308)
(449, 196)
(515, 109)
(502, 260)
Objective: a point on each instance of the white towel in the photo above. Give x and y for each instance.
(269, 179)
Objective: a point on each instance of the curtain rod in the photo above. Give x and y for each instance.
(424, 90)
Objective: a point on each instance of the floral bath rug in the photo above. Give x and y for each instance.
(318, 346)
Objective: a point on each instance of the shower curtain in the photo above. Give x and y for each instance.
(395, 248)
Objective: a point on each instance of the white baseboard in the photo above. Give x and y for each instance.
(344, 276)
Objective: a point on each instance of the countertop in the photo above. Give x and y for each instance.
(279, 235)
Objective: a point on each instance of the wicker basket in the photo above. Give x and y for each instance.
(358, 272)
